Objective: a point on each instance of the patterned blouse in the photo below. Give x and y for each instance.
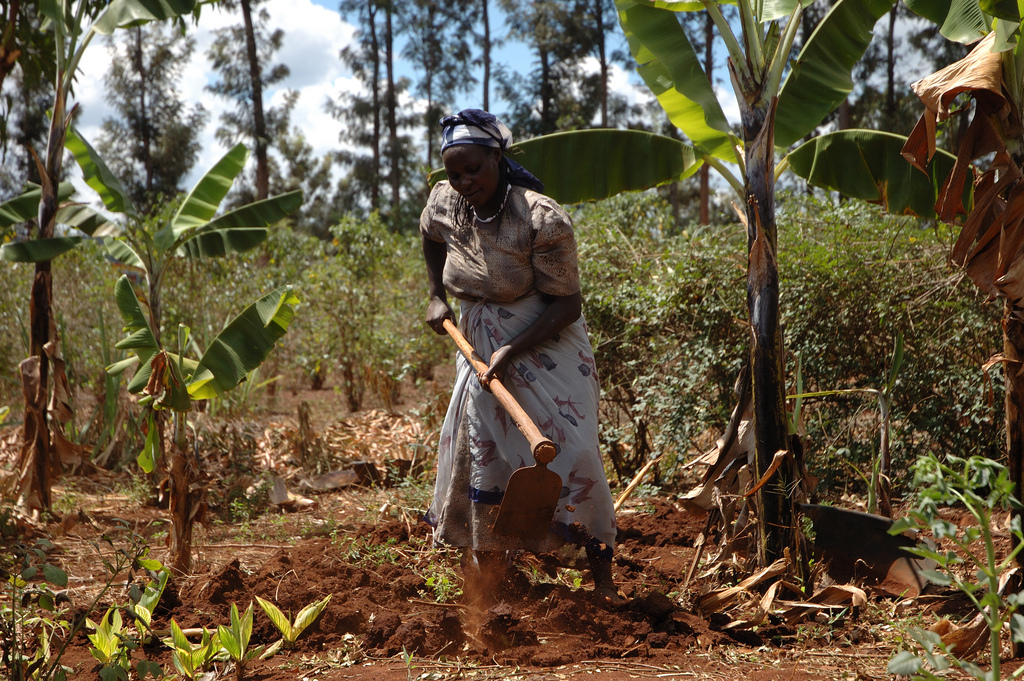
(530, 247)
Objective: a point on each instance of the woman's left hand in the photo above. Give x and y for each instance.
(500, 359)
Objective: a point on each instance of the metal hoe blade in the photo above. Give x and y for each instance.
(529, 503)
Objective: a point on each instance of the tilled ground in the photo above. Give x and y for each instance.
(396, 608)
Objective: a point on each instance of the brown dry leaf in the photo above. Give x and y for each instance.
(70, 454)
(281, 497)
(835, 595)
(968, 640)
(721, 599)
(980, 70)
(60, 403)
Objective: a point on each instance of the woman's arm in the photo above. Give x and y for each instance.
(561, 312)
(435, 253)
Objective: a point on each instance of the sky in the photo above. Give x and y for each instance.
(314, 34)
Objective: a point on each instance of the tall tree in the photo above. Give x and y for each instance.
(484, 41)
(555, 95)
(243, 76)
(361, 112)
(370, 112)
(436, 43)
(152, 142)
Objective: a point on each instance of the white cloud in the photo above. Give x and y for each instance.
(313, 37)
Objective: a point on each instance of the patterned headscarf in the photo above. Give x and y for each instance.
(475, 126)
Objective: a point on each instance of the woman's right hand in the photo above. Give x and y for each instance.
(437, 312)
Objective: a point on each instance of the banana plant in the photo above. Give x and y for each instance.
(74, 25)
(290, 631)
(169, 380)
(235, 640)
(191, 660)
(165, 379)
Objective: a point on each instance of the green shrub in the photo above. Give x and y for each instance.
(667, 316)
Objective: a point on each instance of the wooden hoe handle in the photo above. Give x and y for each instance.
(543, 448)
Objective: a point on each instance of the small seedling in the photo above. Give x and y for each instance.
(964, 481)
(143, 603)
(290, 631)
(192, 660)
(110, 646)
(235, 640)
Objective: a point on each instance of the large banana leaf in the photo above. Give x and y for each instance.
(777, 9)
(821, 76)
(243, 344)
(220, 242)
(25, 206)
(202, 202)
(671, 69)
(37, 250)
(98, 176)
(962, 21)
(125, 13)
(589, 165)
(1010, 10)
(123, 253)
(140, 340)
(243, 228)
(868, 165)
(85, 219)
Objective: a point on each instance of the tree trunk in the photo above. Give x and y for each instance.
(547, 125)
(890, 70)
(1013, 350)
(767, 366)
(602, 58)
(35, 462)
(182, 502)
(375, 46)
(486, 55)
(143, 132)
(705, 170)
(392, 104)
(260, 125)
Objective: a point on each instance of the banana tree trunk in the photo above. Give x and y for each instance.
(183, 503)
(36, 463)
(1013, 350)
(768, 390)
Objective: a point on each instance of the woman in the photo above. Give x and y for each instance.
(508, 254)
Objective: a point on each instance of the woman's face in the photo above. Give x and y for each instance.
(473, 172)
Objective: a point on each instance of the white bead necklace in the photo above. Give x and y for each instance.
(508, 187)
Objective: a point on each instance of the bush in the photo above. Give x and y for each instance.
(667, 316)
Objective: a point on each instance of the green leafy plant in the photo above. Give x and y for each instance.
(32, 596)
(142, 603)
(234, 640)
(110, 645)
(192, 660)
(982, 486)
(290, 631)
(444, 585)
(31, 615)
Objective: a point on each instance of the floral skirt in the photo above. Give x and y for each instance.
(556, 384)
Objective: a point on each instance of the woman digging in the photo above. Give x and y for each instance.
(507, 253)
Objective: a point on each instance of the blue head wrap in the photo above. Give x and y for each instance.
(475, 126)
